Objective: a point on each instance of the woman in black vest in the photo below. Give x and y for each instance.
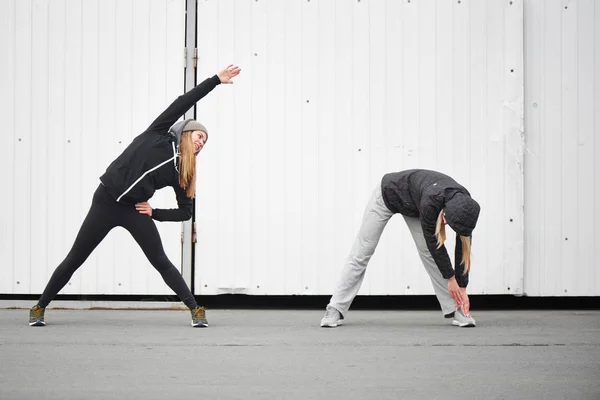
(163, 155)
(428, 200)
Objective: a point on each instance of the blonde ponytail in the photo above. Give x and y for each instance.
(466, 253)
(440, 230)
(440, 235)
(187, 164)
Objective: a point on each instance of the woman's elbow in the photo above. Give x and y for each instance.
(186, 214)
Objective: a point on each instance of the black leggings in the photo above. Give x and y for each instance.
(104, 215)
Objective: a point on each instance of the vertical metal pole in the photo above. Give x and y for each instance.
(190, 82)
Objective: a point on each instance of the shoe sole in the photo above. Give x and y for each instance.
(37, 323)
(464, 324)
(331, 325)
(200, 326)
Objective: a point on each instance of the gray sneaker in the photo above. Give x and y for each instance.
(332, 318)
(36, 316)
(462, 320)
(199, 317)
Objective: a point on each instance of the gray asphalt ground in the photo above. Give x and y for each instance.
(277, 354)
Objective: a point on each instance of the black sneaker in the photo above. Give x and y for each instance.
(199, 317)
(36, 316)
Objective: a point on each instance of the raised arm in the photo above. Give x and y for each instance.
(184, 102)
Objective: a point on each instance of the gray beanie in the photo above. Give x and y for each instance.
(194, 126)
(462, 213)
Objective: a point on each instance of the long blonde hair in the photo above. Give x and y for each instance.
(440, 235)
(187, 164)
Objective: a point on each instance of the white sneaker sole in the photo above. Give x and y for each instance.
(463, 324)
(199, 325)
(37, 323)
(331, 325)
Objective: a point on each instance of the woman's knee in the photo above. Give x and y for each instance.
(161, 262)
(70, 264)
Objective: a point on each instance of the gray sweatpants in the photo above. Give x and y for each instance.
(375, 219)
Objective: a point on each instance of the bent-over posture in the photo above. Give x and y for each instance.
(428, 200)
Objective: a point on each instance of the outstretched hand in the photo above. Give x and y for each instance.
(455, 292)
(144, 208)
(230, 72)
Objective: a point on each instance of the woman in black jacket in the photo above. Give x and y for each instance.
(163, 155)
(428, 200)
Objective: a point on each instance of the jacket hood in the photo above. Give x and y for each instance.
(462, 212)
(176, 130)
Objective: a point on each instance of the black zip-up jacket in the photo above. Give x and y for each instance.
(150, 162)
(423, 194)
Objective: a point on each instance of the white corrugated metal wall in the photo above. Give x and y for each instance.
(334, 94)
(78, 80)
(562, 185)
(302, 108)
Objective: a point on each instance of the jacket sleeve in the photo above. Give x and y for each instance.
(462, 280)
(183, 213)
(182, 104)
(440, 256)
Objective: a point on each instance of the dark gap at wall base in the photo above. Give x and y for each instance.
(425, 302)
